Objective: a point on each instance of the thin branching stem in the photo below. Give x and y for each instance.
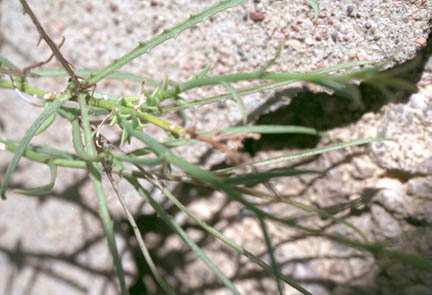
(59, 56)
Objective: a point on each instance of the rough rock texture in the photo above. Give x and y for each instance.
(55, 244)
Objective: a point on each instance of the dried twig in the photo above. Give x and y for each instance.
(56, 52)
(26, 70)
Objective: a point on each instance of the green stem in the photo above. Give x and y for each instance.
(78, 145)
(107, 225)
(112, 105)
(70, 163)
(269, 246)
(232, 78)
(95, 176)
(22, 86)
(86, 125)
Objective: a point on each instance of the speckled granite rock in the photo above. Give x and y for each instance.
(390, 180)
(409, 125)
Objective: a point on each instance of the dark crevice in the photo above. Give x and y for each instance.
(416, 222)
(324, 112)
(401, 175)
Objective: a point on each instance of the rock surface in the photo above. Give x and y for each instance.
(55, 244)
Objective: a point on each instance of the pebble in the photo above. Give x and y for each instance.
(309, 41)
(420, 42)
(247, 47)
(322, 14)
(257, 16)
(346, 37)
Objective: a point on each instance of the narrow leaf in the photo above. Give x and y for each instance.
(238, 99)
(202, 72)
(48, 111)
(308, 153)
(267, 86)
(265, 176)
(44, 189)
(269, 129)
(46, 124)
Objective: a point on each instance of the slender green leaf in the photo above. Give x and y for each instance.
(202, 73)
(87, 72)
(78, 145)
(48, 111)
(124, 137)
(135, 160)
(269, 248)
(302, 207)
(65, 160)
(46, 124)
(335, 83)
(44, 189)
(95, 176)
(267, 129)
(238, 99)
(52, 152)
(254, 178)
(262, 87)
(107, 224)
(308, 153)
(324, 213)
(260, 129)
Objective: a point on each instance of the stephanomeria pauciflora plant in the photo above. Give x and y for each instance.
(99, 156)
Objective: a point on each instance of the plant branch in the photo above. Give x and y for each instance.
(60, 58)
